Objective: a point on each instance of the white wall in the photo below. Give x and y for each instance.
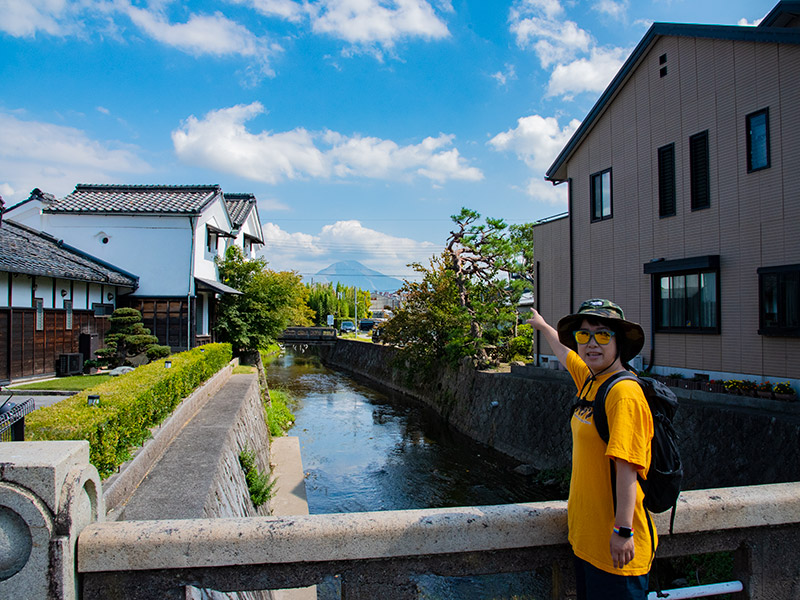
(216, 216)
(157, 249)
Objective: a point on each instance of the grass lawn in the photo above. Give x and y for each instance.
(72, 384)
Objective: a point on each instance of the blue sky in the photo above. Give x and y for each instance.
(360, 125)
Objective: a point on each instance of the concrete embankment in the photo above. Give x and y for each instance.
(524, 414)
(195, 471)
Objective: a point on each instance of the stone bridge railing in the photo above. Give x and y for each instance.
(54, 542)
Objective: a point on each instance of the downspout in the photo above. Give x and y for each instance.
(571, 253)
(652, 325)
(192, 221)
(538, 306)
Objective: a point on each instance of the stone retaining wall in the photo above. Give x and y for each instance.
(525, 416)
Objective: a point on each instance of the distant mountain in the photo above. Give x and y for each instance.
(352, 273)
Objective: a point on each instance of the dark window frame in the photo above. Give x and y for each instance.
(783, 275)
(681, 268)
(667, 190)
(212, 236)
(700, 171)
(593, 188)
(749, 134)
(38, 305)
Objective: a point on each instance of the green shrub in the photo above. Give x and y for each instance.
(258, 484)
(279, 417)
(129, 406)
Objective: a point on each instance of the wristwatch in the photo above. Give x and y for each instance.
(625, 532)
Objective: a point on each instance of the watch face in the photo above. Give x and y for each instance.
(625, 532)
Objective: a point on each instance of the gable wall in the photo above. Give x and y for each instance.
(713, 85)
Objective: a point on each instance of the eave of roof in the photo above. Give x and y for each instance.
(781, 13)
(160, 200)
(657, 30)
(30, 252)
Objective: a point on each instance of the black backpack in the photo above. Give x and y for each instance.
(663, 484)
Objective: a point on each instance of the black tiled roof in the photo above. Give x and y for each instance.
(25, 250)
(136, 199)
(239, 206)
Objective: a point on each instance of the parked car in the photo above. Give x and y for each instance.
(366, 324)
(348, 327)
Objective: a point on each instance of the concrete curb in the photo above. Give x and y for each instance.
(119, 488)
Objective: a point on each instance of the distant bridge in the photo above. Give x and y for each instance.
(308, 335)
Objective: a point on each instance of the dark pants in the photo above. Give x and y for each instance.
(594, 584)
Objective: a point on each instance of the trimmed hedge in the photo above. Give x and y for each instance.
(129, 406)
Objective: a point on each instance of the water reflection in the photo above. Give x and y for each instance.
(365, 451)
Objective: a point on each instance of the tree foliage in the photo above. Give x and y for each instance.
(465, 303)
(269, 302)
(128, 336)
(326, 299)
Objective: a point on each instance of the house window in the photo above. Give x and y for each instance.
(779, 301)
(68, 319)
(601, 195)
(38, 304)
(212, 241)
(666, 181)
(102, 310)
(686, 294)
(699, 171)
(758, 154)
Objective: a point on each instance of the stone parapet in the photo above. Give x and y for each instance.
(48, 493)
(381, 552)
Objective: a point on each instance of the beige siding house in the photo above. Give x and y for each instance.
(684, 200)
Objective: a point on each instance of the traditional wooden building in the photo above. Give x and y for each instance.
(169, 236)
(54, 300)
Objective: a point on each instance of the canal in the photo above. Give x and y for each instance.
(363, 450)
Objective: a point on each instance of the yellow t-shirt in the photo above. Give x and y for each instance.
(591, 504)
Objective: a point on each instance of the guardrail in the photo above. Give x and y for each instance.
(52, 514)
(379, 554)
(12, 419)
(300, 335)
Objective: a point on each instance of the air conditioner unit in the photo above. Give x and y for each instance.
(70, 364)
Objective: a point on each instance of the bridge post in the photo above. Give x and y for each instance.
(48, 493)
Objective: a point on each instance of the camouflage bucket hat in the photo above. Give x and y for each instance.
(632, 334)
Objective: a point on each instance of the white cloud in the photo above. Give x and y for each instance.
(745, 23)
(591, 74)
(285, 9)
(368, 22)
(54, 157)
(220, 141)
(540, 26)
(24, 18)
(503, 77)
(205, 34)
(616, 9)
(544, 192)
(536, 140)
(343, 240)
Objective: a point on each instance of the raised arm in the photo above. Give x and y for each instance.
(551, 335)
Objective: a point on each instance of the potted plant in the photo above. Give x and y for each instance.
(764, 389)
(784, 391)
(748, 387)
(716, 386)
(733, 386)
(90, 366)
